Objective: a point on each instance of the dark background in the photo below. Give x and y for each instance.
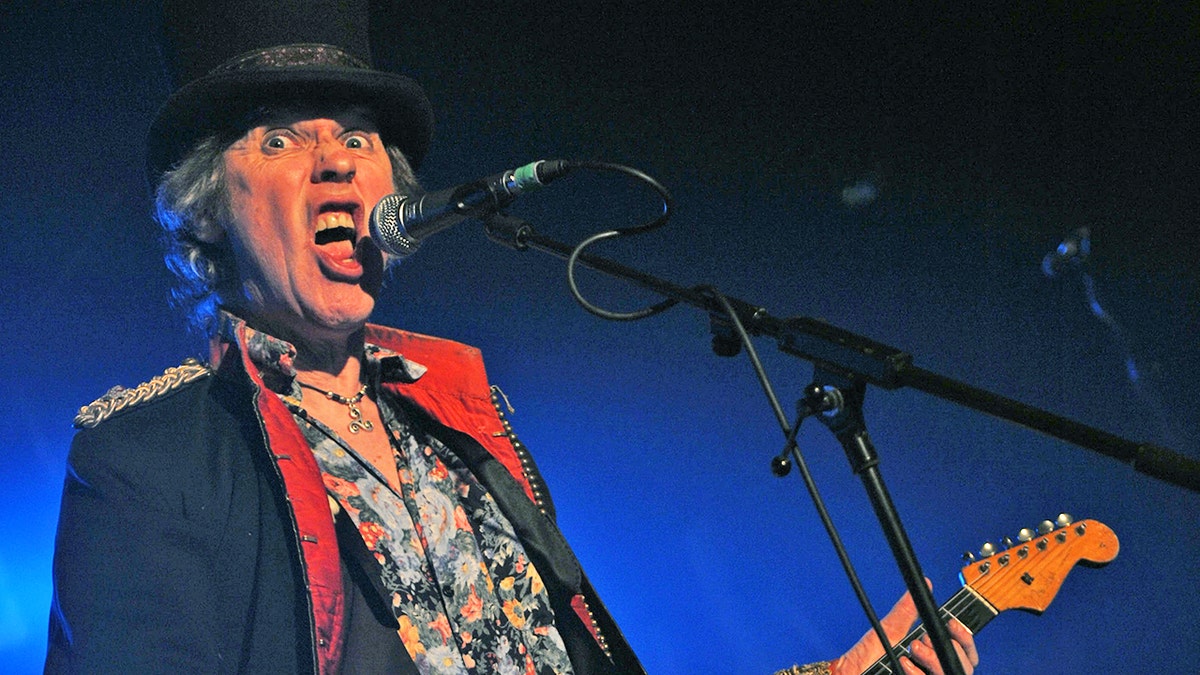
(973, 140)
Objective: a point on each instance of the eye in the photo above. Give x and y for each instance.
(278, 139)
(357, 141)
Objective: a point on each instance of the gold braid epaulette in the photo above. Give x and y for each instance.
(119, 398)
(821, 668)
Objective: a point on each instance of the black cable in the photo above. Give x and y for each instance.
(572, 260)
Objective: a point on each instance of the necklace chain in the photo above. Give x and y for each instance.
(357, 423)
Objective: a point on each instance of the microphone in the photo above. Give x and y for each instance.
(399, 222)
(1072, 252)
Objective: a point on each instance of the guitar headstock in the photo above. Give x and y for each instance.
(1028, 574)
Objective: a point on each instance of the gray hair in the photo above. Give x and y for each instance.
(191, 202)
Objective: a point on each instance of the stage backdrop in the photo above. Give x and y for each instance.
(900, 175)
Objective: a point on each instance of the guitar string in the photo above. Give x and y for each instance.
(954, 606)
(961, 600)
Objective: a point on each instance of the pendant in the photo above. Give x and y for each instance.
(357, 423)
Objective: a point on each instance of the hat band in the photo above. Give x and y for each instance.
(290, 56)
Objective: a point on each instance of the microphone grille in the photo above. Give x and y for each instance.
(386, 228)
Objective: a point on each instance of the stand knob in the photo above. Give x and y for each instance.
(781, 466)
(823, 400)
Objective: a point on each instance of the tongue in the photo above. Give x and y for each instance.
(338, 250)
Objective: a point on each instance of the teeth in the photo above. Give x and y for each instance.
(332, 219)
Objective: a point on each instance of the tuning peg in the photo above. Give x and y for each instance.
(1025, 534)
(1064, 519)
(1045, 527)
(1007, 542)
(968, 557)
(987, 549)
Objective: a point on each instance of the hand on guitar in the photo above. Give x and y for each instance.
(896, 624)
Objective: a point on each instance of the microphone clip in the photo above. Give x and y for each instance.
(508, 230)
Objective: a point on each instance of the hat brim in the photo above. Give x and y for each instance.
(219, 103)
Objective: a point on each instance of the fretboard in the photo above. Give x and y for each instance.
(965, 605)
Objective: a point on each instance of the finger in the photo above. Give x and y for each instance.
(901, 617)
(965, 641)
(926, 657)
(911, 668)
(968, 666)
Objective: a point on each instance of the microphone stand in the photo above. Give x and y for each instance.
(849, 362)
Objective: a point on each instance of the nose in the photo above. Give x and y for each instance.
(333, 163)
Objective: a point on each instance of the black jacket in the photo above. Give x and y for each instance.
(178, 549)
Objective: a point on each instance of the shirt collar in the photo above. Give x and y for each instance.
(276, 358)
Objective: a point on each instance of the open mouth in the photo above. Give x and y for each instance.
(335, 223)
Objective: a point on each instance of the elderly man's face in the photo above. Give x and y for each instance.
(301, 188)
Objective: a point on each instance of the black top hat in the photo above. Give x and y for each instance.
(235, 56)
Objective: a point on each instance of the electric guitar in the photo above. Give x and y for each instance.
(1024, 576)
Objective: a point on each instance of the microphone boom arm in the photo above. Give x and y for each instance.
(854, 356)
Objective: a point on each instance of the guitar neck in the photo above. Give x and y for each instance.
(1024, 577)
(973, 611)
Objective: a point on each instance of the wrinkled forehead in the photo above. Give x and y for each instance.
(347, 115)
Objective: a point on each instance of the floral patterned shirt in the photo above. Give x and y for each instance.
(465, 594)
